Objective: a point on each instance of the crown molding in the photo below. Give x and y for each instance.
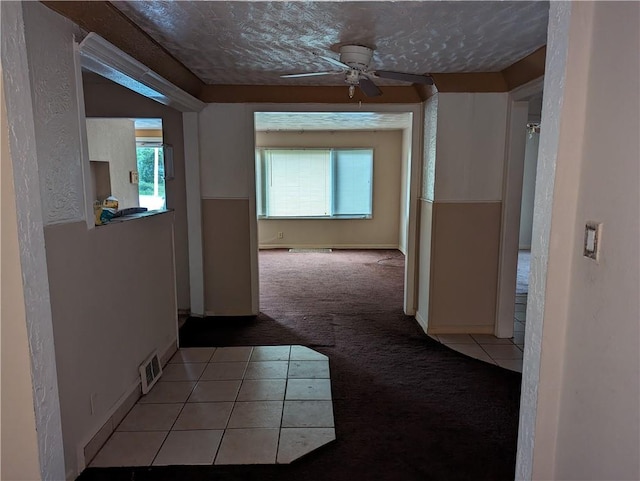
(104, 58)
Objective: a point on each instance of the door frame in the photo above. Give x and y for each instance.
(511, 201)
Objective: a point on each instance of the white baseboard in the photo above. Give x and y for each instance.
(469, 329)
(89, 447)
(328, 246)
(421, 321)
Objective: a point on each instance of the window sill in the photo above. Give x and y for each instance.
(328, 217)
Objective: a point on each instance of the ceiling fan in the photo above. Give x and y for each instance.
(355, 64)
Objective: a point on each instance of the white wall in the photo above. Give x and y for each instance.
(226, 151)
(405, 182)
(580, 394)
(28, 31)
(114, 141)
(381, 231)
(18, 437)
(599, 423)
(471, 134)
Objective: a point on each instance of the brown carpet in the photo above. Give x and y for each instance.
(406, 407)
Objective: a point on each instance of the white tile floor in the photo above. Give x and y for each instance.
(228, 405)
(506, 353)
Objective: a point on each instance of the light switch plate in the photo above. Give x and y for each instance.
(592, 238)
(134, 177)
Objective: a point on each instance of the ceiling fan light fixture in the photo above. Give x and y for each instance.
(356, 56)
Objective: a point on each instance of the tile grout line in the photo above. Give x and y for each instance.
(182, 408)
(284, 398)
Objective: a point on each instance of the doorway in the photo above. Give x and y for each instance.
(362, 170)
(519, 190)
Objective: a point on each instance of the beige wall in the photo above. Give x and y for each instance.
(227, 275)
(382, 231)
(588, 425)
(106, 99)
(113, 301)
(18, 436)
(464, 267)
(114, 141)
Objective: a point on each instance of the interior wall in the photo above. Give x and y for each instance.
(108, 314)
(599, 422)
(114, 141)
(104, 98)
(426, 199)
(580, 392)
(19, 455)
(228, 208)
(528, 190)
(93, 312)
(381, 231)
(405, 182)
(28, 32)
(465, 136)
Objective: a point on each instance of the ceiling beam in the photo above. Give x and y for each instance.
(470, 82)
(526, 69)
(304, 94)
(108, 22)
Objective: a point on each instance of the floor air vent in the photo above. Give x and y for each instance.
(150, 371)
(311, 250)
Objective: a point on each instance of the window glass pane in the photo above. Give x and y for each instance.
(151, 185)
(298, 183)
(352, 179)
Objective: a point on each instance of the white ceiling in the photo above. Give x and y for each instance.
(254, 42)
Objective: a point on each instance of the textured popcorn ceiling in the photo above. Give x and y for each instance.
(247, 42)
(300, 121)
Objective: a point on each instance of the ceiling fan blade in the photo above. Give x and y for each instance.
(369, 88)
(335, 62)
(405, 77)
(308, 74)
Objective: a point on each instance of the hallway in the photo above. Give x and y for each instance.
(405, 407)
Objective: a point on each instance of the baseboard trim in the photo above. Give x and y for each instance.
(88, 450)
(422, 322)
(228, 314)
(470, 329)
(328, 246)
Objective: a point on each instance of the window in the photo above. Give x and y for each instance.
(151, 186)
(315, 183)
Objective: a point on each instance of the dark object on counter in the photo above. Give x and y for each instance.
(130, 211)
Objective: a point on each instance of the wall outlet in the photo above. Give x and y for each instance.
(280, 235)
(134, 177)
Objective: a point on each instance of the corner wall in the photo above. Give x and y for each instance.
(18, 438)
(461, 207)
